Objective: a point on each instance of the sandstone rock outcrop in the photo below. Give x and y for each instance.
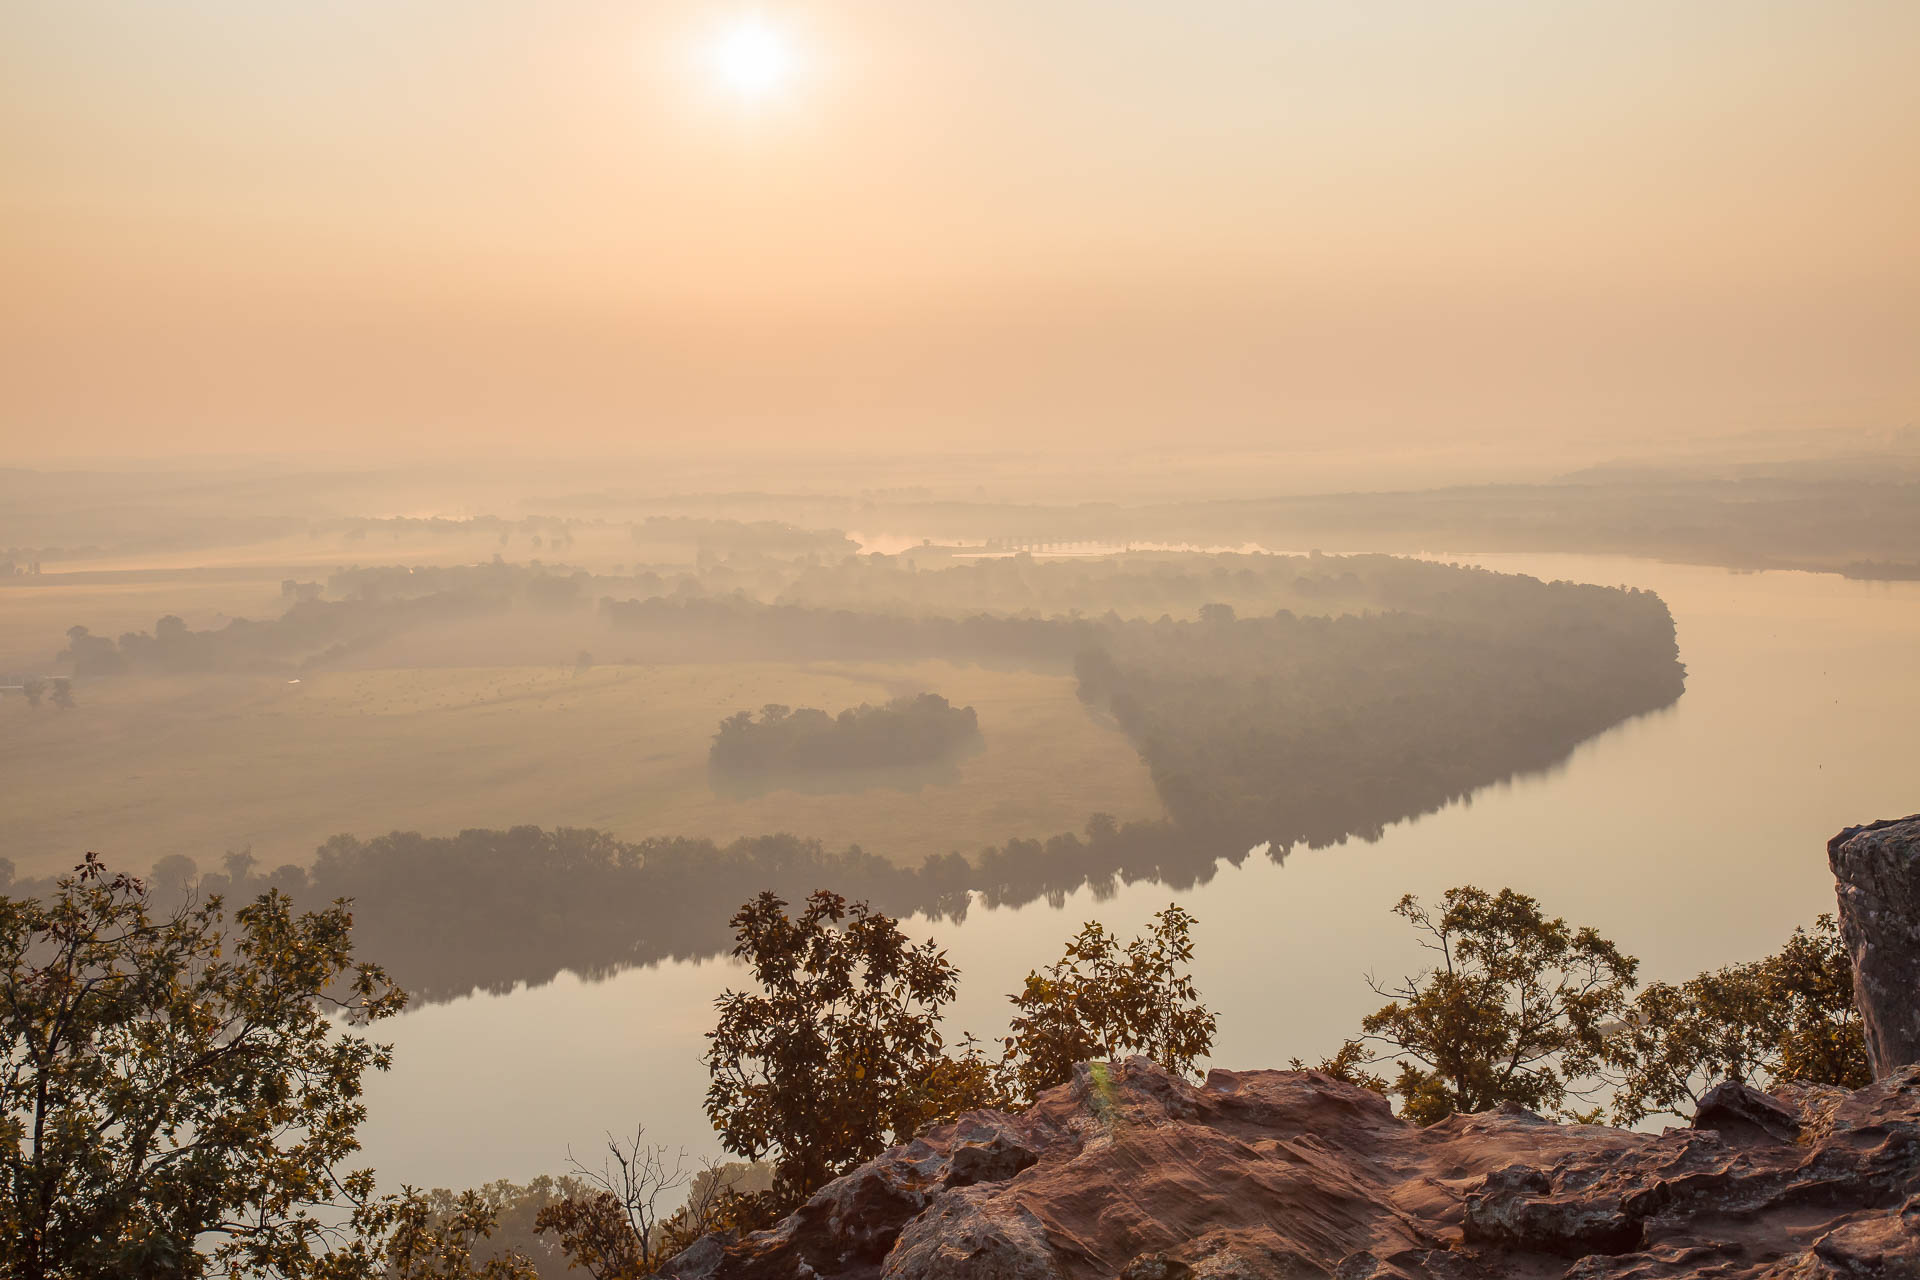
(1130, 1173)
(1878, 870)
(1133, 1173)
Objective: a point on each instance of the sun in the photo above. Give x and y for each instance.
(751, 58)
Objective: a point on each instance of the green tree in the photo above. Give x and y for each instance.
(955, 1084)
(824, 1063)
(1810, 979)
(167, 1090)
(1676, 1042)
(1102, 1001)
(1349, 1064)
(1789, 1016)
(1515, 1009)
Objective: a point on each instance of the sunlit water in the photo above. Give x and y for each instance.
(1693, 837)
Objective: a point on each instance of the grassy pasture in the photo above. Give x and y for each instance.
(197, 765)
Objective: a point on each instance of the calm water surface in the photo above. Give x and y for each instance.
(1693, 837)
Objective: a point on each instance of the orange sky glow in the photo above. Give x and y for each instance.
(419, 225)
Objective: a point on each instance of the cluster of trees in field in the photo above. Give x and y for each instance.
(911, 729)
(223, 1144)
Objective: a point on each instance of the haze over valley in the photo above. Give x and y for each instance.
(759, 583)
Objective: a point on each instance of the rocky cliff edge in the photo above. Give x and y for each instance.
(1131, 1172)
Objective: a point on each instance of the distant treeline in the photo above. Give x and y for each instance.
(310, 633)
(534, 582)
(914, 729)
(1790, 515)
(1133, 585)
(1884, 570)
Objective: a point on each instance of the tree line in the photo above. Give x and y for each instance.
(487, 910)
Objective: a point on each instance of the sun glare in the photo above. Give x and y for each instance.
(751, 58)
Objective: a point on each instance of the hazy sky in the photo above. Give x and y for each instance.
(435, 225)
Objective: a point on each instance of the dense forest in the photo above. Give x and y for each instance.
(1309, 730)
(914, 729)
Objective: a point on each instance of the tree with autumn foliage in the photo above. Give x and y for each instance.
(1103, 1001)
(1788, 1016)
(178, 1098)
(1515, 1008)
(827, 1062)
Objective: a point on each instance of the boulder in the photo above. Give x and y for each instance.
(1877, 868)
(1738, 1110)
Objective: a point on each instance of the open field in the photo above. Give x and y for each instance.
(199, 765)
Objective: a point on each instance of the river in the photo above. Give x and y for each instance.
(1693, 837)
